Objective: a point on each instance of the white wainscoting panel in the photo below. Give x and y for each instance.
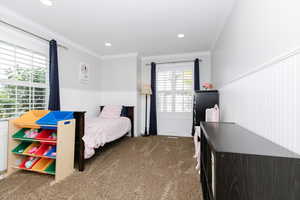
(80, 100)
(267, 102)
(3, 145)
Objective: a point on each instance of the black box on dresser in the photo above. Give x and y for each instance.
(203, 99)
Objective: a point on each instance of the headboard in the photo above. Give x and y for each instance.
(130, 115)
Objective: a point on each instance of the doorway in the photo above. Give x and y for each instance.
(175, 99)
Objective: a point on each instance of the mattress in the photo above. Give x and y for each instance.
(99, 131)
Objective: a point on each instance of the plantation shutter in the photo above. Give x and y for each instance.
(23, 80)
(175, 89)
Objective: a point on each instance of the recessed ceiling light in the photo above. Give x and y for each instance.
(107, 44)
(180, 35)
(47, 2)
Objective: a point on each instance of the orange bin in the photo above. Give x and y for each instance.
(28, 119)
(42, 164)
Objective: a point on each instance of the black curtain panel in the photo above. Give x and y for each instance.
(196, 84)
(196, 75)
(54, 100)
(153, 114)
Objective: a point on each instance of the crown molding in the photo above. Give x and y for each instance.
(116, 56)
(175, 56)
(221, 28)
(19, 20)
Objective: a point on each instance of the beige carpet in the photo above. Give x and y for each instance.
(152, 168)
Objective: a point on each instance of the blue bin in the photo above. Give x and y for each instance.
(53, 149)
(53, 117)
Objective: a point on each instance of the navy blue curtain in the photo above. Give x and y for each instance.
(153, 114)
(54, 100)
(196, 84)
(196, 75)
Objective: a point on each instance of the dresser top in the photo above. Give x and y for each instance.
(206, 91)
(232, 138)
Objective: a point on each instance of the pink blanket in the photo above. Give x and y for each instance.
(99, 131)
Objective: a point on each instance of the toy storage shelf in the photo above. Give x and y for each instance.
(37, 154)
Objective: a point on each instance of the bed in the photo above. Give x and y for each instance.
(112, 127)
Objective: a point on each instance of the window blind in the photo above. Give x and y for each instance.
(174, 88)
(23, 80)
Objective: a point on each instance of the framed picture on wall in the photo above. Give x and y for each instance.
(83, 73)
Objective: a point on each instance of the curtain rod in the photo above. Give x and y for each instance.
(30, 33)
(173, 62)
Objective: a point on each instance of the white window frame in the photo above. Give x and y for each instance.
(173, 91)
(29, 83)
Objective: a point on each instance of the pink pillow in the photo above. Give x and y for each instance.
(111, 112)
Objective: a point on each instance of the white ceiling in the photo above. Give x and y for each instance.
(149, 27)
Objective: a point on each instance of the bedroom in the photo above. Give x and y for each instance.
(122, 54)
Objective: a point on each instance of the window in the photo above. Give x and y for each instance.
(23, 80)
(174, 89)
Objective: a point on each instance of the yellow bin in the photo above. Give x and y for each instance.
(42, 164)
(28, 119)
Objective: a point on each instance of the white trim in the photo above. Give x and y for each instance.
(170, 57)
(116, 56)
(221, 28)
(270, 63)
(9, 15)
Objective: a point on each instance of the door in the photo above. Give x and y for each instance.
(174, 99)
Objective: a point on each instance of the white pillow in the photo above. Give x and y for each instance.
(111, 112)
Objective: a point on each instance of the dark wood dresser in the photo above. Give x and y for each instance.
(237, 164)
(203, 99)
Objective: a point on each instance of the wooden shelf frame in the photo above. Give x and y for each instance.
(36, 140)
(32, 170)
(34, 155)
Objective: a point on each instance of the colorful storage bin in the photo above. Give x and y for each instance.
(53, 117)
(32, 148)
(51, 153)
(42, 164)
(46, 150)
(20, 134)
(50, 135)
(28, 120)
(21, 147)
(34, 160)
(51, 168)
